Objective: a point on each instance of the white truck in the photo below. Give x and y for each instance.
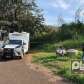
(16, 45)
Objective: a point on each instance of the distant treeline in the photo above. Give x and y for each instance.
(71, 31)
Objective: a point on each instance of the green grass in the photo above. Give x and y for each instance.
(58, 65)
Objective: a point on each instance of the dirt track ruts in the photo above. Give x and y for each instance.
(17, 72)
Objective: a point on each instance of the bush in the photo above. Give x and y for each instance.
(72, 43)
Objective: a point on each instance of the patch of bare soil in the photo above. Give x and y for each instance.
(28, 58)
(46, 72)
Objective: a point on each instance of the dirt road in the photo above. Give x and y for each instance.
(18, 72)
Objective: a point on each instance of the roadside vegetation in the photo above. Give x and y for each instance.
(70, 36)
(59, 65)
(25, 15)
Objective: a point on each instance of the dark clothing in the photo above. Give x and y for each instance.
(83, 48)
(83, 53)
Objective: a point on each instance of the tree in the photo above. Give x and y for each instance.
(24, 15)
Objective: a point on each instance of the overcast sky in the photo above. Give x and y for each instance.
(65, 8)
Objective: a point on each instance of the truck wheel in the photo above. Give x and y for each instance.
(27, 52)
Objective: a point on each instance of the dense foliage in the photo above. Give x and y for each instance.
(25, 15)
(72, 31)
(21, 15)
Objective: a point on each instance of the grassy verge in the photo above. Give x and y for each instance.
(58, 65)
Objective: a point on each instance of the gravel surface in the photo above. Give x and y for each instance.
(18, 72)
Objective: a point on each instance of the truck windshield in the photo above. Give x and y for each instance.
(15, 42)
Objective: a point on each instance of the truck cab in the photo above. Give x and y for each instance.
(16, 45)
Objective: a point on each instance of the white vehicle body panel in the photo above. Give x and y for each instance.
(61, 51)
(10, 46)
(20, 36)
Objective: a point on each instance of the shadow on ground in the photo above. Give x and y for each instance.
(9, 59)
